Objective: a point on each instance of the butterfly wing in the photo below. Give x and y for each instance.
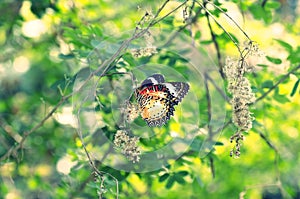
(156, 101)
(155, 104)
(153, 79)
(178, 90)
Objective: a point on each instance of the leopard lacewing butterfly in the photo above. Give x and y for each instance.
(156, 99)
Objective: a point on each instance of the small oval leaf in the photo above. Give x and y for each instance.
(287, 46)
(182, 173)
(170, 182)
(281, 98)
(219, 144)
(295, 88)
(179, 179)
(267, 84)
(67, 56)
(197, 35)
(272, 5)
(163, 177)
(274, 60)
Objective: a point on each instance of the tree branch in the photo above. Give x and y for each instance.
(14, 149)
(279, 82)
(208, 99)
(267, 141)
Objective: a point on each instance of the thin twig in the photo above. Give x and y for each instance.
(216, 44)
(237, 25)
(226, 32)
(207, 94)
(267, 141)
(181, 28)
(218, 88)
(279, 82)
(212, 166)
(100, 173)
(162, 18)
(224, 126)
(210, 132)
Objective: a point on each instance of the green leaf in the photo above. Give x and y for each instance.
(295, 88)
(260, 13)
(179, 179)
(225, 38)
(254, 89)
(262, 65)
(67, 56)
(163, 177)
(267, 84)
(129, 59)
(257, 11)
(267, 17)
(274, 60)
(206, 42)
(182, 173)
(217, 12)
(233, 37)
(281, 98)
(272, 5)
(170, 182)
(168, 166)
(197, 35)
(219, 143)
(187, 32)
(284, 44)
(217, 3)
(96, 30)
(294, 57)
(169, 20)
(171, 61)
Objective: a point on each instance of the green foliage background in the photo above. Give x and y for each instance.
(38, 65)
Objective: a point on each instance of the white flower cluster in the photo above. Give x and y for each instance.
(145, 51)
(252, 49)
(130, 112)
(127, 145)
(242, 95)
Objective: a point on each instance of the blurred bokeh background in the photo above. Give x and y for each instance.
(45, 43)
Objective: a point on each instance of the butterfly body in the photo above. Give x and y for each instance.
(156, 99)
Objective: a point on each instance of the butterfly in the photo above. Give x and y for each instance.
(156, 99)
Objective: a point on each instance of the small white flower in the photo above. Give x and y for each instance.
(143, 52)
(130, 112)
(146, 51)
(242, 96)
(127, 145)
